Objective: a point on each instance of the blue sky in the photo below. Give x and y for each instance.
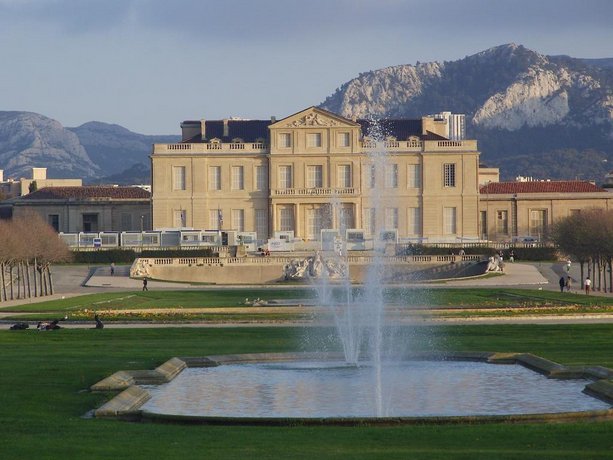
(149, 64)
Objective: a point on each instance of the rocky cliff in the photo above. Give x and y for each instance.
(517, 101)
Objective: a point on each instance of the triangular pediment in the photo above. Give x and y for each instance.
(313, 117)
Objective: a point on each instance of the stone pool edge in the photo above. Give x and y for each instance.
(126, 405)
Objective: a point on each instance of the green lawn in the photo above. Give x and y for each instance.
(45, 378)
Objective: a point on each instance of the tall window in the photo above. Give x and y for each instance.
(54, 221)
(261, 178)
(285, 140)
(286, 219)
(285, 177)
(215, 219)
(414, 176)
(214, 177)
(314, 223)
(126, 221)
(345, 217)
(238, 178)
(538, 222)
(391, 218)
(414, 221)
(449, 174)
(261, 223)
(238, 220)
(502, 222)
(344, 176)
(343, 139)
(180, 218)
(315, 176)
(391, 176)
(372, 176)
(178, 177)
(449, 221)
(314, 140)
(369, 221)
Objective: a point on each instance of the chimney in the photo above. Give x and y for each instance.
(39, 173)
(273, 119)
(202, 129)
(1, 175)
(226, 128)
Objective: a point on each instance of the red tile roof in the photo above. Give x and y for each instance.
(87, 192)
(560, 186)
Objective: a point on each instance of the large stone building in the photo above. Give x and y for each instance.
(316, 170)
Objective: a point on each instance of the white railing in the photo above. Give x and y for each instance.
(207, 147)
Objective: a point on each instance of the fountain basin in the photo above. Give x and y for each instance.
(315, 388)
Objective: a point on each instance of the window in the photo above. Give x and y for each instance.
(315, 176)
(391, 176)
(345, 217)
(238, 220)
(372, 176)
(414, 176)
(391, 218)
(178, 177)
(414, 221)
(90, 222)
(369, 221)
(449, 175)
(314, 223)
(238, 178)
(483, 221)
(285, 177)
(180, 216)
(538, 222)
(285, 140)
(314, 140)
(261, 178)
(214, 177)
(343, 139)
(344, 176)
(126, 221)
(286, 219)
(54, 221)
(215, 219)
(261, 223)
(502, 222)
(449, 221)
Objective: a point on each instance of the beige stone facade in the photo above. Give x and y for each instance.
(514, 211)
(316, 170)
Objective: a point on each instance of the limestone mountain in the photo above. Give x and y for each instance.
(518, 103)
(94, 151)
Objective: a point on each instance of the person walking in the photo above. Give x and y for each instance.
(568, 281)
(145, 284)
(112, 268)
(588, 284)
(562, 283)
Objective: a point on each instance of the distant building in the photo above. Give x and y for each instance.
(509, 210)
(13, 188)
(88, 208)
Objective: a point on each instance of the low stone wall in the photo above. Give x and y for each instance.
(267, 270)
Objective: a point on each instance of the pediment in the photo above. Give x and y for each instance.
(314, 117)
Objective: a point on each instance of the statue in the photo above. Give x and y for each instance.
(315, 267)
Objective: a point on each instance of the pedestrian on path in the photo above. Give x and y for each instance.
(588, 284)
(112, 268)
(145, 284)
(568, 280)
(562, 283)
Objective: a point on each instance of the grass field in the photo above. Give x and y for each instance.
(165, 306)
(45, 378)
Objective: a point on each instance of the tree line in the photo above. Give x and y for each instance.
(28, 247)
(587, 236)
